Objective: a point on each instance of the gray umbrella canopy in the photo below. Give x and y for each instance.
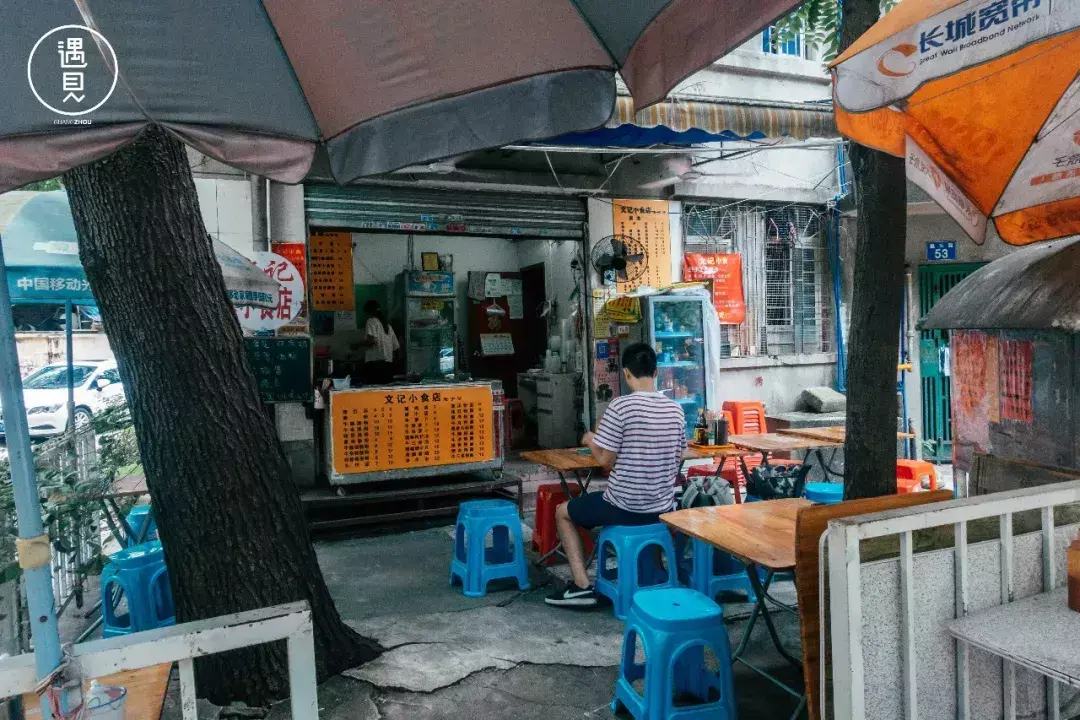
(1034, 289)
(264, 85)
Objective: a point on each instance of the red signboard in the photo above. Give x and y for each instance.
(296, 253)
(725, 271)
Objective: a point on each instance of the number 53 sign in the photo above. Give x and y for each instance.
(941, 250)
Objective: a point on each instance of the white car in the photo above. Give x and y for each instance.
(97, 385)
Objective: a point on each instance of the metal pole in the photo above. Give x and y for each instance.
(70, 366)
(39, 590)
(260, 240)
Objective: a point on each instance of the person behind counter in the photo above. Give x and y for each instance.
(381, 344)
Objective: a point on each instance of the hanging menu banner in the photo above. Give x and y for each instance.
(331, 271)
(648, 222)
(725, 272)
(410, 427)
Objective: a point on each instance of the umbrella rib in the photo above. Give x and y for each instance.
(88, 18)
(595, 33)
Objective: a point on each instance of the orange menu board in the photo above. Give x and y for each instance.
(648, 222)
(410, 427)
(330, 271)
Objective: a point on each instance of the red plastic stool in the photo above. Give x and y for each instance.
(910, 474)
(747, 417)
(545, 535)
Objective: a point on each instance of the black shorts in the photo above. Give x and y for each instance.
(592, 510)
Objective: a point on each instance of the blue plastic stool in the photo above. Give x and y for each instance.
(137, 518)
(827, 493)
(474, 564)
(675, 627)
(715, 571)
(635, 548)
(140, 575)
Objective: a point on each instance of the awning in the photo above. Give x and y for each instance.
(41, 253)
(1031, 289)
(691, 122)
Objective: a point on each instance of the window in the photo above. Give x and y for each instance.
(112, 375)
(787, 282)
(771, 44)
(55, 377)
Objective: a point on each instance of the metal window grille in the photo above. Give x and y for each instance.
(787, 283)
(771, 44)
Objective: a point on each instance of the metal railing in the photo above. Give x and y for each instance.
(76, 544)
(846, 570)
(182, 644)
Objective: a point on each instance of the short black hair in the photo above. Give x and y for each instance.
(640, 360)
(371, 307)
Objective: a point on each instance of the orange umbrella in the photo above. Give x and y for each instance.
(983, 99)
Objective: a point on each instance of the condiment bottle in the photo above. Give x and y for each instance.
(701, 429)
(1073, 564)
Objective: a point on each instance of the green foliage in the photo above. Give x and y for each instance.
(44, 185)
(818, 21)
(67, 491)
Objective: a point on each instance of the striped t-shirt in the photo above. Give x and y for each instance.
(647, 431)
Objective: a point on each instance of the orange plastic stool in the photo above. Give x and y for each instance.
(910, 474)
(747, 417)
(545, 535)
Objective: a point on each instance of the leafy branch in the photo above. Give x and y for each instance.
(818, 23)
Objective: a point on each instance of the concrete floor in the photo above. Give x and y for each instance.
(505, 656)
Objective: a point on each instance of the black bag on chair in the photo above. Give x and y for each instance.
(771, 482)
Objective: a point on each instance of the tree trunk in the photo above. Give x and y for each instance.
(876, 303)
(228, 513)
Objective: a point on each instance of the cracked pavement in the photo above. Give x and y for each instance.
(501, 657)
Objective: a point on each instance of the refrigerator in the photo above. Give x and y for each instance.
(675, 326)
(425, 315)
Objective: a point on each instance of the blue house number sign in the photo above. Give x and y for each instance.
(941, 250)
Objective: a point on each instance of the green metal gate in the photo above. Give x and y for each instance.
(934, 282)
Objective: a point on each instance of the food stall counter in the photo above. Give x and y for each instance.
(408, 430)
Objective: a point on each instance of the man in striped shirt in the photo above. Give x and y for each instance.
(641, 439)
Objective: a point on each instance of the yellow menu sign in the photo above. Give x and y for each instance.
(410, 427)
(330, 271)
(648, 222)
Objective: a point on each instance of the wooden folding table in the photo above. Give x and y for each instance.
(761, 535)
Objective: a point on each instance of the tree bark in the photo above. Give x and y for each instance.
(876, 302)
(228, 513)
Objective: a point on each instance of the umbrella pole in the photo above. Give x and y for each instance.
(34, 556)
(70, 351)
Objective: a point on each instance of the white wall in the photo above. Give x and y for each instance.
(37, 349)
(226, 210)
(929, 224)
(750, 74)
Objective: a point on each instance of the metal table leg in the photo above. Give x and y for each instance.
(735, 487)
(761, 609)
(826, 467)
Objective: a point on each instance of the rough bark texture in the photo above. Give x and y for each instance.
(229, 516)
(876, 303)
